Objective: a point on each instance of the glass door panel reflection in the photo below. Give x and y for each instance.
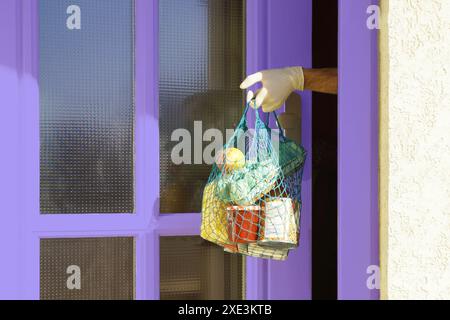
(194, 269)
(86, 81)
(202, 62)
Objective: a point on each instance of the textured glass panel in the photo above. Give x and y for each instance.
(87, 268)
(202, 62)
(86, 80)
(194, 269)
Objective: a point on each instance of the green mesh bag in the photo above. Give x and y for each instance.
(252, 201)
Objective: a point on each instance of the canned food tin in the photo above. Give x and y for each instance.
(280, 228)
(243, 223)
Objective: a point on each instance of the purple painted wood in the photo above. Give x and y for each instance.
(290, 44)
(279, 34)
(27, 226)
(256, 269)
(10, 79)
(358, 150)
(149, 13)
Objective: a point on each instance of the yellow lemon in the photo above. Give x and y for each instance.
(233, 158)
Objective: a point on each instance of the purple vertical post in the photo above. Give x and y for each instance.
(147, 51)
(289, 35)
(10, 74)
(279, 34)
(256, 269)
(358, 151)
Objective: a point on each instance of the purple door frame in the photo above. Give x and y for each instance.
(279, 34)
(358, 221)
(10, 80)
(288, 26)
(20, 19)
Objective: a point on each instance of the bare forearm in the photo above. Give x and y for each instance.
(321, 80)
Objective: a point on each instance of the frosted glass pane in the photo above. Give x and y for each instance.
(86, 80)
(87, 269)
(202, 62)
(194, 269)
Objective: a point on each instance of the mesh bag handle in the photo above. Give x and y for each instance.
(260, 127)
(277, 122)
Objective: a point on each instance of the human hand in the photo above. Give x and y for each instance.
(277, 85)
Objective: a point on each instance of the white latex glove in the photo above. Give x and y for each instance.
(277, 85)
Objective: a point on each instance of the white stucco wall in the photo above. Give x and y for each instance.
(418, 215)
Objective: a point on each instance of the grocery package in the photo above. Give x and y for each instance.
(214, 216)
(252, 201)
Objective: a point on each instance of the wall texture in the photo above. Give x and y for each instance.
(417, 98)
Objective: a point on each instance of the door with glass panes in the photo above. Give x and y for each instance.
(121, 83)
